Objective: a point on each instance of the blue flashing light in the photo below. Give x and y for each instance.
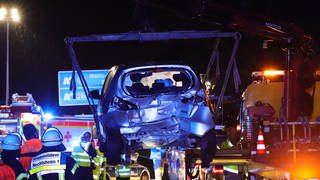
(48, 116)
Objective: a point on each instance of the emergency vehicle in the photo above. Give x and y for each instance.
(292, 141)
(23, 110)
(72, 128)
(290, 148)
(263, 106)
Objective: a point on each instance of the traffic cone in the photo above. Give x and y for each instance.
(261, 148)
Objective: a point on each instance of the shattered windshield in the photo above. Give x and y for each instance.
(156, 81)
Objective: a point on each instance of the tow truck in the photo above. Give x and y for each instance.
(282, 104)
(157, 36)
(291, 147)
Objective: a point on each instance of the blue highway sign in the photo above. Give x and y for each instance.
(94, 79)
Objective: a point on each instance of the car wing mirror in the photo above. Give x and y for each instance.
(94, 94)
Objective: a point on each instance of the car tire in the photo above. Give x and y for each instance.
(208, 148)
(113, 146)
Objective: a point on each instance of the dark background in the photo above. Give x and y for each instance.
(38, 52)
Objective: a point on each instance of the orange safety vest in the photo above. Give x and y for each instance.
(6, 172)
(32, 145)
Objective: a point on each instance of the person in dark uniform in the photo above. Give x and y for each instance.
(52, 162)
(84, 155)
(11, 151)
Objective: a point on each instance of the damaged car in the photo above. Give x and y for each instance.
(142, 107)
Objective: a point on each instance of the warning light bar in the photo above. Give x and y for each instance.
(273, 72)
(268, 73)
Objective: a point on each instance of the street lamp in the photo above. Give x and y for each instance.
(7, 17)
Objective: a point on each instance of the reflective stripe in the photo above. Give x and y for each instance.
(80, 153)
(74, 168)
(81, 157)
(61, 174)
(22, 175)
(39, 177)
(41, 173)
(123, 171)
(45, 168)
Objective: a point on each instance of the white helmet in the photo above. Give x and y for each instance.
(52, 137)
(12, 141)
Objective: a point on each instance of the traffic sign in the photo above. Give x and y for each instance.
(94, 79)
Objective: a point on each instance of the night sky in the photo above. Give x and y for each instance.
(38, 52)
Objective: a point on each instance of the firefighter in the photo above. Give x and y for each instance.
(84, 155)
(11, 151)
(32, 145)
(52, 162)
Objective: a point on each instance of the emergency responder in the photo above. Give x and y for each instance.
(100, 161)
(32, 145)
(52, 162)
(11, 151)
(84, 155)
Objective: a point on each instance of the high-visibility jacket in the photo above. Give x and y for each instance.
(100, 162)
(32, 145)
(52, 165)
(80, 155)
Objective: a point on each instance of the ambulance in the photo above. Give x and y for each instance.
(72, 127)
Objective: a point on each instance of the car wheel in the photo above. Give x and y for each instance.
(208, 148)
(113, 146)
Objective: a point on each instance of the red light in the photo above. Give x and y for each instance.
(217, 170)
(238, 127)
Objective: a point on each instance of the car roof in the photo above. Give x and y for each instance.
(123, 67)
